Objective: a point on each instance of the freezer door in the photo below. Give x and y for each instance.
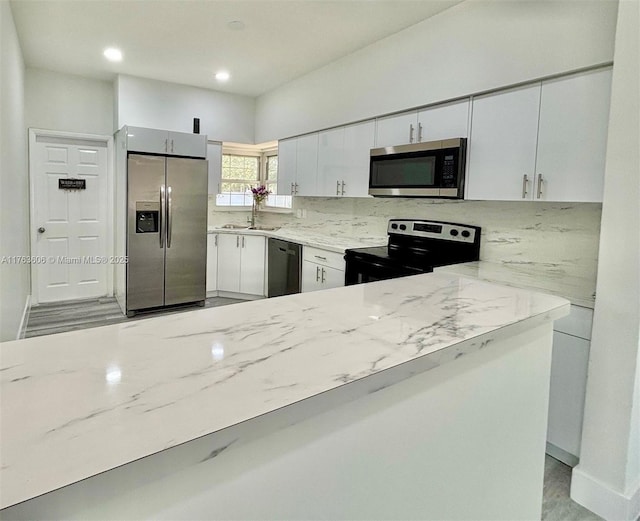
(186, 252)
(145, 242)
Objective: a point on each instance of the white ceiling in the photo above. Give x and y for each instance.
(187, 41)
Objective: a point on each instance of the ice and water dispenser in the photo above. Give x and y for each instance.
(147, 216)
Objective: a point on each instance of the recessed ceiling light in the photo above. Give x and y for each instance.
(112, 54)
(222, 76)
(235, 25)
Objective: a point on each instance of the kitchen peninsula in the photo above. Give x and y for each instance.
(419, 397)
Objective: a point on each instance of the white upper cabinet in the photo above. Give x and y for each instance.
(444, 121)
(544, 142)
(147, 140)
(358, 142)
(287, 155)
(330, 162)
(306, 165)
(572, 142)
(156, 141)
(298, 165)
(398, 129)
(343, 160)
(183, 144)
(502, 147)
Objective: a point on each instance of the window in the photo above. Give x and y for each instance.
(242, 170)
(271, 177)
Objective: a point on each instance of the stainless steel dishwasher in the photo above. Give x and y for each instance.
(285, 264)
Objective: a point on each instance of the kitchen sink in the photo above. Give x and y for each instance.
(264, 228)
(234, 226)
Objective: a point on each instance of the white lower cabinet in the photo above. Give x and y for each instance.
(241, 263)
(212, 262)
(569, 367)
(321, 269)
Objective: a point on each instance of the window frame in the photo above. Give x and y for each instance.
(240, 153)
(262, 156)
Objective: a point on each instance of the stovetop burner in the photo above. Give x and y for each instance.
(414, 246)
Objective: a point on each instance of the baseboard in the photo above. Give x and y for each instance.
(241, 296)
(602, 500)
(22, 330)
(561, 455)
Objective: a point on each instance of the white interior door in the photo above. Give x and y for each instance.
(69, 227)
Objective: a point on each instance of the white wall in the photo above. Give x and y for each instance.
(607, 480)
(169, 106)
(58, 101)
(475, 46)
(15, 279)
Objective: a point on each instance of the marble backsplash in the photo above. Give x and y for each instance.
(561, 237)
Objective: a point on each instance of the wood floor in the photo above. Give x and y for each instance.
(47, 319)
(58, 317)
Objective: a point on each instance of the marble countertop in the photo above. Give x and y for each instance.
(309, 237)
(80, 403)
(528, 276)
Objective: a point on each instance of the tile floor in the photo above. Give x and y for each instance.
(556, 503)
(47, 319)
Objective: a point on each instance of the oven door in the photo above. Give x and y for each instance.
(361, 268)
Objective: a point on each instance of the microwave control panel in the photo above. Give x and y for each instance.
(449, 171)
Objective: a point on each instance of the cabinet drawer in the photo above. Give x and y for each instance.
(577, 323)
(330, 259)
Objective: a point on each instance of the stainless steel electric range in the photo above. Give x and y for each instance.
(414, 246)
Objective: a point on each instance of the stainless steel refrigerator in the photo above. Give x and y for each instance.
(166, 231)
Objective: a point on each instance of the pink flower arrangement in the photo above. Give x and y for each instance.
(260, 193)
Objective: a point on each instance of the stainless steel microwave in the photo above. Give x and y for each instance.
(430, 169)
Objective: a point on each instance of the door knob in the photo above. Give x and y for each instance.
(41, 229)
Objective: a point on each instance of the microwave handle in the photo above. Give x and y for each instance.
(411, 133)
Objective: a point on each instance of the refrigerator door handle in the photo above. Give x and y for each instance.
(169, 217)
(161, 216)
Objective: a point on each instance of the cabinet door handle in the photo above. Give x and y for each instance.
(172, 146)
(291, 188)
(296, 185)
(411, 133)
(419, 132)
(237, 241)
(243, 241)
(216, 241)
(317, 273)
(342, 191)
(337, 187)
(166, 145)
(321, 258)
(525, 182)
(322, 279)
(539, 185)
